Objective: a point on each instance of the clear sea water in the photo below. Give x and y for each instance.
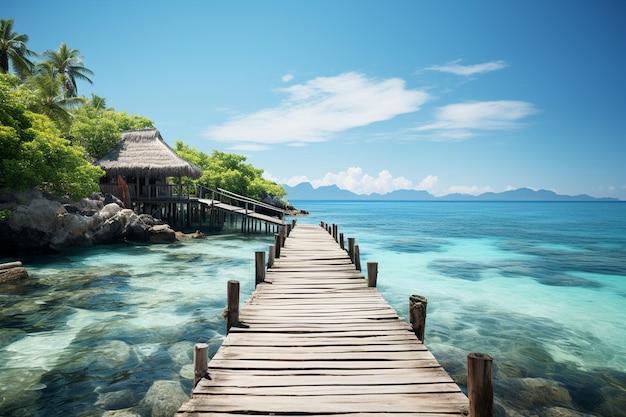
(541, 287)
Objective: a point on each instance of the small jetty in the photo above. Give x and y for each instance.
(317, 338)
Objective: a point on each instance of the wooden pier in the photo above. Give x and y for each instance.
(317, 338)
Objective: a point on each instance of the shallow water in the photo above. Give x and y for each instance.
(541, 287)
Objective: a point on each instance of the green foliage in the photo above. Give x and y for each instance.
(230, 172)
(5, 214)
(98, 129)
(34, 155)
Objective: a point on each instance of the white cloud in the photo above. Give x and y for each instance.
(286, 78)
(462, 120)
(468, 70)
(472, 190)
(293, 181)
(319, 108)
(429, 183)
(355, 180)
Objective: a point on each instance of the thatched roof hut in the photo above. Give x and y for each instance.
(144, 153)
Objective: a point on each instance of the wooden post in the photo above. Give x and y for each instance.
(357, 257)
(351, 248)
(479, 384)
(341, 244)
(232, 311)
(335, 229)
(277, 242)
(372, 273)
(283, 237)
(259, 260)
(417, 315)
(270, 257)
(200, 362)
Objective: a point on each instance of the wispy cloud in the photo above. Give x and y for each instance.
(463, 120)
(468, 70)
(286, 78)
(316, 110)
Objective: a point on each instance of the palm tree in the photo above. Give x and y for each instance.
(97, 102)
(46, 98)
(13, 48)
(66, 66)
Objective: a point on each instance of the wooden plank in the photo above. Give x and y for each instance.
(393, 403)
(321, 364)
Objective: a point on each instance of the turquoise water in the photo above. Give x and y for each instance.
(541, 287)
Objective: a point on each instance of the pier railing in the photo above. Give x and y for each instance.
(249, 204)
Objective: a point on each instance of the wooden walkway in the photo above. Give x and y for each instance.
(241, 211)
(314, 339)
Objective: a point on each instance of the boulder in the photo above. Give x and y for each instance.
(32, 222)
(13, 274)
(161, 233)
(164, 398)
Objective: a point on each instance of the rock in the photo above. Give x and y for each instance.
(181, 353)
(534, 392)
(161, 233)
(186, 236)
(164, 398)
(116, 400)
(127, 412)
(111, 199)
(32, 222)
(561, 412)
(13, 274)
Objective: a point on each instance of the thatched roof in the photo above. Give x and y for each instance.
(144, 153)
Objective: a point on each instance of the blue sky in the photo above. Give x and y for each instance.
(445, 96)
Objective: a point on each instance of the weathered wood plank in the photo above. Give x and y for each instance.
(262, 404)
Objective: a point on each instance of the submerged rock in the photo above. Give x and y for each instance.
(164, 398)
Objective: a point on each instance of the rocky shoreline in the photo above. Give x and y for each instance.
(33, 222)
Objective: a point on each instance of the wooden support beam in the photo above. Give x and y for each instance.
(270, 256)
(480, 385)
(277, 244)
(351, 241)
(259, 260)
(232, 311)
(417, 315)
(372, 274)
(200, 362)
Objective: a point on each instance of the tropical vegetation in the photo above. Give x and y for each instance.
(50, 136)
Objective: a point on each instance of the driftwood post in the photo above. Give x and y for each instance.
(232, 311)
(372, 274)
(357, 257)
(270, 256)
(200, 362)
(417, 315)
(479, 384)
(259, 261)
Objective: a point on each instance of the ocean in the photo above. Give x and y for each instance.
(540, 287)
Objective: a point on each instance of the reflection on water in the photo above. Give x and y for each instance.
(539, 288)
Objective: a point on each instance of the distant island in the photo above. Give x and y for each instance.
(305, 191)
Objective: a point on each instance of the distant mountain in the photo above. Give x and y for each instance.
(305, 191)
